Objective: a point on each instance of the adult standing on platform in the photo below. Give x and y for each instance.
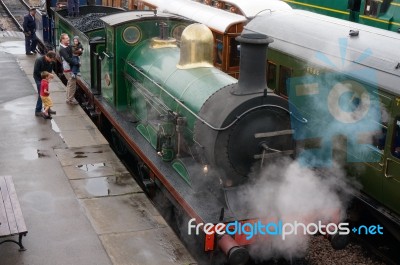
(73, 8)
(43, 63)
(67, 63)
(29, 26)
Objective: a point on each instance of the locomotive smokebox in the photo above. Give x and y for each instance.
(253, 51)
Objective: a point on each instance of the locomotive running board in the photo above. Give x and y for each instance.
(272, 134)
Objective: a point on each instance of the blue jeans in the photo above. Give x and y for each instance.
(76, 67)
(39, 105)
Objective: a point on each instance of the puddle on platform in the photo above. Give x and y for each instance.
(30, 153)
(13, 47)
(97, 187)
(17, 108)
(91, 167)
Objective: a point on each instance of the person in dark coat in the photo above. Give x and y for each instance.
(73, 8)
(43, 63)
(29, 26)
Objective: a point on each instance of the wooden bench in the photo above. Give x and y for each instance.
(11, 219)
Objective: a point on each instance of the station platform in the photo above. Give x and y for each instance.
(80, 204)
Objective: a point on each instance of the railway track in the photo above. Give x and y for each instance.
(13, 10)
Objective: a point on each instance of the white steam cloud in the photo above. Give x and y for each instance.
(290, 192)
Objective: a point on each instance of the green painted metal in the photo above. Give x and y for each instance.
(182, 171)
(108, 68)
(143, 131)
(373, 176)
(167, 152)
(190, 87)
(120, 50)
(381, 14)
(152, 135)
(65, 27)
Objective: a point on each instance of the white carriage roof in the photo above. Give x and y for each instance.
(120, 18)
(325, 41)
(213, 18)
(251, 8)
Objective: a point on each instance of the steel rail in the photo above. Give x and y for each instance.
(10, 13)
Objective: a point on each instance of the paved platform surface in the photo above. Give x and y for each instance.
(81, 206)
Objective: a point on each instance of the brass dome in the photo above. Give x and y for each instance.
(196, 47)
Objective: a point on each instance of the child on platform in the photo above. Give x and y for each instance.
(77, 50)
(45, 94)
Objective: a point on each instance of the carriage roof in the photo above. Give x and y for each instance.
(213, 18)
(325, 41)
(120, 18)
(251, 8)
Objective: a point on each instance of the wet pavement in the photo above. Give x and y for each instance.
(80, 204)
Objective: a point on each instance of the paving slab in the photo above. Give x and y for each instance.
(124, 213)
(92, 169)
(87, 155)
(169, 252)
(81, 205)
(105, 186)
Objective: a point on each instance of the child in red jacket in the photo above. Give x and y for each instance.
(45, 94)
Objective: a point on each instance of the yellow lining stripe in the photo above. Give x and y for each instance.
(379, 20)
(346, 13)
(318, 7)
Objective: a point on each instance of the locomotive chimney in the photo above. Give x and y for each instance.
(253, 52)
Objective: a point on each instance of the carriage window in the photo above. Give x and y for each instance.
(354, 5)
(372, 8)
(379, 138)
(396, 139)
(271, 75)
(234, 52)
(284, 74)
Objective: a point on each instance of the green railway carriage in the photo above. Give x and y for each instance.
(381, 14)
(307, 49)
